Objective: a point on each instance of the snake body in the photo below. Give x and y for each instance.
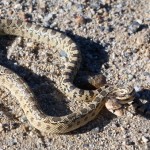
(26, 98)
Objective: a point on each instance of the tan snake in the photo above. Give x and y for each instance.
(96, 98)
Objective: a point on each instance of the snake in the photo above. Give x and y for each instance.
(96, 99)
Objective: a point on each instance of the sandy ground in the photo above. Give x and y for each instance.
(114, 39)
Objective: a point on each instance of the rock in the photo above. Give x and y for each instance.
(41, 4)
(137, 88)
(63, 53)
(80, 20)
(95, 130)
(134, 27)
(145, 139)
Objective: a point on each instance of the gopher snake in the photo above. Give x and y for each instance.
(27, 100)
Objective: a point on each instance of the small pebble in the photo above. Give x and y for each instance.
(23, 119)
(14, 141)
(137, 88)
(133, 28)
(86, 146)
(1, 127)
(145, 139)
(96, 130)
(63, 53)
(41, 4)
(1, 113)
(80, 20)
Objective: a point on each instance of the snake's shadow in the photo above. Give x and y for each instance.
(93, 57)
(142, 106)
(41, 86)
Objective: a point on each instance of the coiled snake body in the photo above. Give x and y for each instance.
(27, 100)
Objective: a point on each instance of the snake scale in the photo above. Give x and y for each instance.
(18, 87)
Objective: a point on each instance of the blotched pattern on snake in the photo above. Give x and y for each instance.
(96, 98)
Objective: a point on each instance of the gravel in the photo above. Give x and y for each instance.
(114, 39)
